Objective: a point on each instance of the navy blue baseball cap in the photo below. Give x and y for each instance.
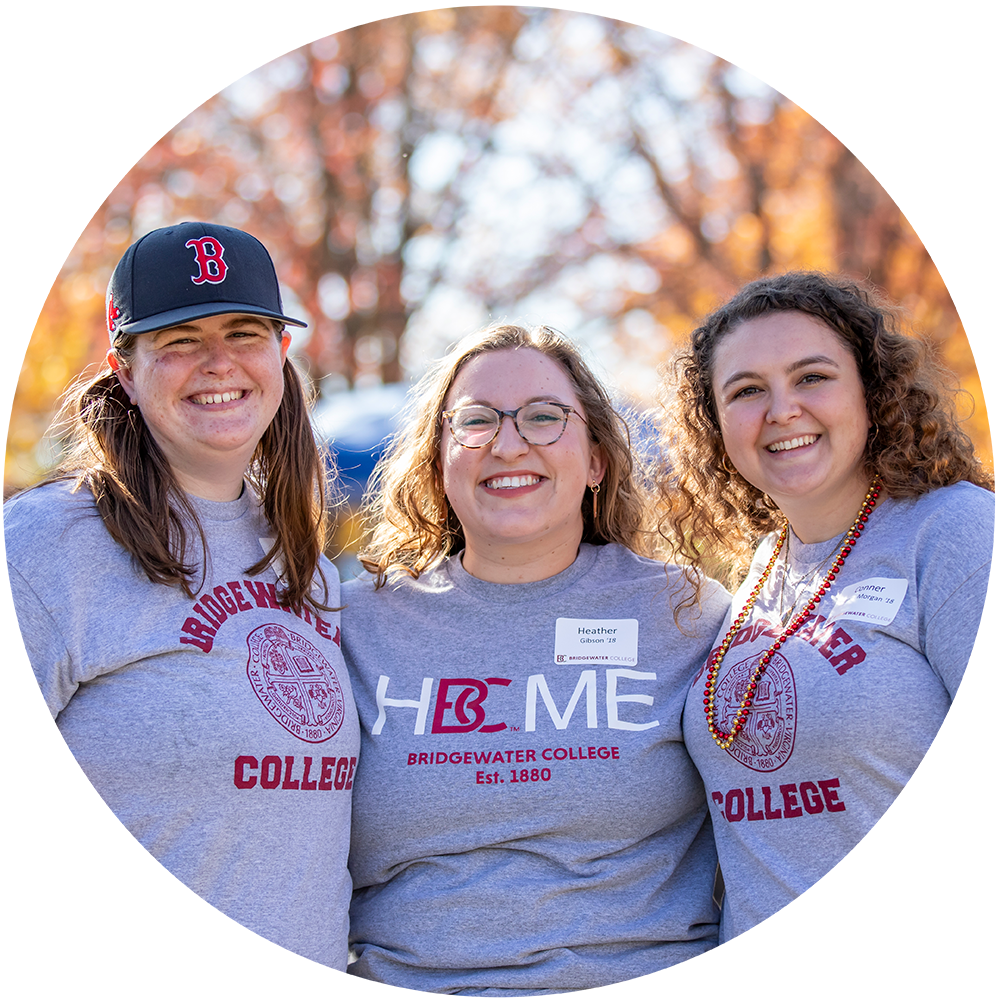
(190, 271)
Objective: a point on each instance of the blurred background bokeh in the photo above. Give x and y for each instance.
(419, 176)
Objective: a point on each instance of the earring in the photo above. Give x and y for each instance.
(727, 466)
(595, 489)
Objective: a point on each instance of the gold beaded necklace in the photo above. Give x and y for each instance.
(723, 739)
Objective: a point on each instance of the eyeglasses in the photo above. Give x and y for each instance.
(537, 423)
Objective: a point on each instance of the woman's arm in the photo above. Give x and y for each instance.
(29, 956)
(984, 985)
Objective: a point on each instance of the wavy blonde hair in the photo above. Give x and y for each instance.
(410, 525)
(915, 442)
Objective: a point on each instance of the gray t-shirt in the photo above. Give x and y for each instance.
(850, 704)
(221, 730)
(526, 818)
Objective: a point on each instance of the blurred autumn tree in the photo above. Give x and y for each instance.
(294, 122)
(652, 159)
(417, 176)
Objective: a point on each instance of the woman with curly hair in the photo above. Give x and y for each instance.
(174, 601)
(804, 421)
(526, 817)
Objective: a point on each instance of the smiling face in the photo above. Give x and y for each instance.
(519, 504)
(207, 391)
(794, 423)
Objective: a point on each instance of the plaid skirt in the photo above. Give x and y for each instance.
(948, 974)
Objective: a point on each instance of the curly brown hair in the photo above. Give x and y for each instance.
(915, 442)
(410, 523)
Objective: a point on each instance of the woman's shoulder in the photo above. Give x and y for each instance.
(959, 496)
(621, 563)
(942, 539)
(363, 605)
(54, 526)
(359, 585)
(963, 507)
(47, 493)
(48, 509)
(356, 586)
(615, 561)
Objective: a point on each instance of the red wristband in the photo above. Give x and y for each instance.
(55, 986)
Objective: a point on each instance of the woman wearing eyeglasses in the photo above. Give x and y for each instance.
(526, 817)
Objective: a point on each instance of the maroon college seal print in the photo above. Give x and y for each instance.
(767, 739)
(295, 683)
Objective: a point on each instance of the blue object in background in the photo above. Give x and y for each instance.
(355, 427)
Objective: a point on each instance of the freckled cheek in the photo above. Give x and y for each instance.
(456, 472)
(155, 378)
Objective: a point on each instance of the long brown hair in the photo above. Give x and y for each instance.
(111, 452)
(410, 523)
(915, 443)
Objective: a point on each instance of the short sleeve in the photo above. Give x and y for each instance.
(960, 644)
(956, 548)
(37, 674)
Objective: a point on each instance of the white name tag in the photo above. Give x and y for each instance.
(875, 600)
(597, 640)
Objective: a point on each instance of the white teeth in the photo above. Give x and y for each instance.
(799, 442)
(512, 482)
(217, 397)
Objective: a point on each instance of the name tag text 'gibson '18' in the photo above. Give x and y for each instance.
(597, 640)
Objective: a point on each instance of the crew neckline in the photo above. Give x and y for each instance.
(531, 590)
(222, 510)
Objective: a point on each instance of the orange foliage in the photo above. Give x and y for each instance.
(315, 153)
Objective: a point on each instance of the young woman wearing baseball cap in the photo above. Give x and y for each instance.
(173, 597)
